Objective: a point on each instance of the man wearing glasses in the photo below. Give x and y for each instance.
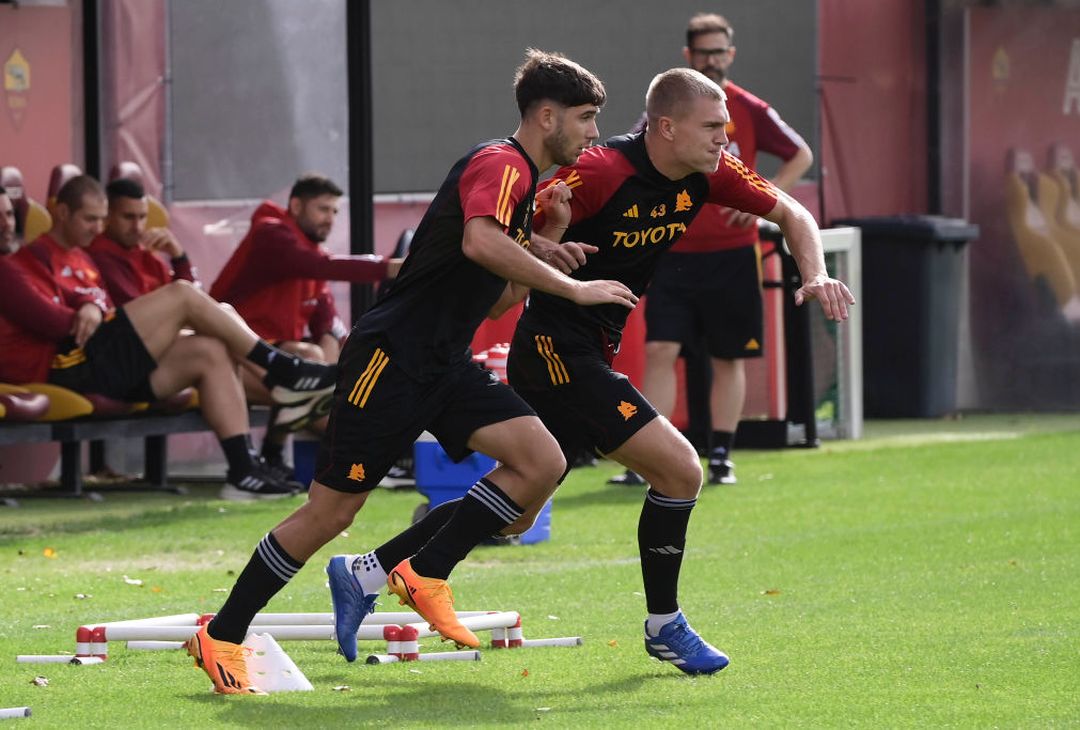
(708, 287)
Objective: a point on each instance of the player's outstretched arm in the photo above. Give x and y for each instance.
(804, 239)
(486, 244)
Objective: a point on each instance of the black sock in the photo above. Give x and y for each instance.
(278, 363)
(484, 510)
(269, 569)
(722, 443)
(661, 541)
(409, 542)
(272, 450)
(237, 454)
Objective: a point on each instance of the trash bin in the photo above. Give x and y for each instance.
(912, 271)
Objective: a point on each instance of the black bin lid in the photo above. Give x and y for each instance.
(914, 227)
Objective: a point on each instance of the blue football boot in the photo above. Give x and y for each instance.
(682, 646)
(351, 605)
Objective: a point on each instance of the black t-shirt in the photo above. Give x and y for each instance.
(440, 297)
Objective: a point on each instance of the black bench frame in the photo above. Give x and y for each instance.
(153, 428)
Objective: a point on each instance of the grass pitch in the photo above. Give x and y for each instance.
(926, 576)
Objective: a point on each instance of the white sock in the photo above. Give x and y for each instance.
(369, 572)
(657, 621)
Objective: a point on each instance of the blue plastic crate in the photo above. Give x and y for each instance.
(434, 470)
(440, 480)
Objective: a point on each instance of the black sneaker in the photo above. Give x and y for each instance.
(306, 381)
(628, 479)
(258, 483)
(278, 468)
(722, 471)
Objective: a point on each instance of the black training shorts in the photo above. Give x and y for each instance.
(379, 411)
(715, 295)
(581, 400)
(114, 362)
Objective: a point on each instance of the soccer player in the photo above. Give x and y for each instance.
(406, 368)
(631, 199)
(709, 287)
(126, 253)
(57, 317)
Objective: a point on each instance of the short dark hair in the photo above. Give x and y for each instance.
(124, 187)
(312, 185)
(703, 23)
(74, 190)
(555, 77)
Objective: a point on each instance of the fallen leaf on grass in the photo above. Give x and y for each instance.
(524, 672)
(155, 589)
(613, 644)
(40, 681)
(771, 592)
(342, 688)
(49, 553)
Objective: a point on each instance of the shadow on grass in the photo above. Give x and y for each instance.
(405, 702)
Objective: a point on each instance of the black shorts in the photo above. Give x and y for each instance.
(714, 295)
(114, 362)
(583, 402)
(379, 411)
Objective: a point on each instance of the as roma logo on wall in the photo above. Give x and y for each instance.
(16, 86)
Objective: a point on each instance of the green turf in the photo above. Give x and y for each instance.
(927, 576)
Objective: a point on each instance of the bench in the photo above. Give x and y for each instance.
(153, 428)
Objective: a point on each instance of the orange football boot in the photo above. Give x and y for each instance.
(433, 600)
(224, 662)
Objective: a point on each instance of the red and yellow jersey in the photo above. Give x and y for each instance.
(34, 318)
(633, 213)
(440, 297)
(754, 127)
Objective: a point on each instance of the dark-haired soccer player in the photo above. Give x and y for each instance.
(126, 252)
(406, 368)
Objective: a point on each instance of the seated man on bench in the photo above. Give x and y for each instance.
(62, 324)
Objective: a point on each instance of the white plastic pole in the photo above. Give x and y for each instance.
(560, 641)
(154, 645)
(9, 713)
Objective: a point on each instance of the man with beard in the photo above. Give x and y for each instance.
(277, 281)
(407, 368)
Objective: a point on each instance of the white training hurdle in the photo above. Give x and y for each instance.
(401, 630)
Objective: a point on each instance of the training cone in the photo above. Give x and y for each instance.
(270, 668)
